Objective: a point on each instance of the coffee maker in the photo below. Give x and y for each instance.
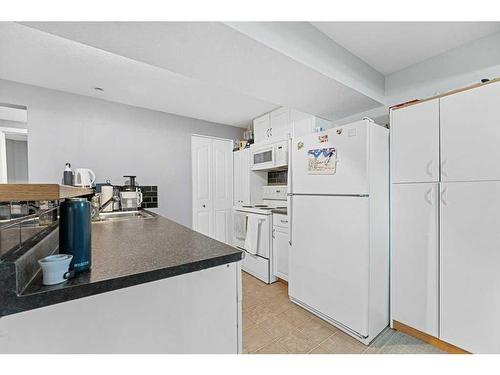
(130, 195)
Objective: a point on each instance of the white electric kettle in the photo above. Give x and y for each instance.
(84, 177)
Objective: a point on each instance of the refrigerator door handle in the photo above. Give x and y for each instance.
(443, 197)
(289, 201)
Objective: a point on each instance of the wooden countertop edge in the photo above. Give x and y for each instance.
(456, 91)
(36, 192)
(434, 341)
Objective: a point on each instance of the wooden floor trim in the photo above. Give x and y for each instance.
(434, 341)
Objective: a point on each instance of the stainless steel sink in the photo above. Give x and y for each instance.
(123, 215)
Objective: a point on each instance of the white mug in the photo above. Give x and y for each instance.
(55, 268)
(84, 177)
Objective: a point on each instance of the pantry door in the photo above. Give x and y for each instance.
(212, 186)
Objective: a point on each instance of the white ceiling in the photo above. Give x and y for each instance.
(216, 54)
(392, 46)
(223, 74)
(41, 59)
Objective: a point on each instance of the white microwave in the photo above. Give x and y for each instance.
(269, 156)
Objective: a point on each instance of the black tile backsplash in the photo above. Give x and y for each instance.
(149, 196)
(277, 177)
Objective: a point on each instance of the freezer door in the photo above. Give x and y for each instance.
(347, 169)
(469, 264)
(329, 258)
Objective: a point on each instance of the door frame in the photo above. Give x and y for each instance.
(8, 133)
(193, 205)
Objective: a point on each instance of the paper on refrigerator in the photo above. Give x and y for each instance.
(322, 160)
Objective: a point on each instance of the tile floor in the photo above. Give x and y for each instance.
(272, 324)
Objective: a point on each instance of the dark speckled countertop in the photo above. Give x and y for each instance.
(282, 211)
(127, 253)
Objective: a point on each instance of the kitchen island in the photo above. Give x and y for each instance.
(155, 287)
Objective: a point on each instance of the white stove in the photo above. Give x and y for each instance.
(253, 232)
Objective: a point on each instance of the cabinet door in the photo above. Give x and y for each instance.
(245, 176)
(470, 135)
(237, 183)
(280, 253)
(301, 123)
(280, 123)
(415, 143)
(469, 264)
(415, 255)
(261, 127)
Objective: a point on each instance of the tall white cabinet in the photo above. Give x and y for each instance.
(247, 183)
(445, 204)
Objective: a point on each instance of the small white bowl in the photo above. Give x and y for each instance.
(54, 268)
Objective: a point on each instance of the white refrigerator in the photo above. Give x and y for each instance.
(339, 237)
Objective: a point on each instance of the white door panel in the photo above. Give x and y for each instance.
(329, 258)
(223, 188)
(470, 259)
(415, 143)
(280, 123)
(470, 135)
(350, 176)
(212, 169)
(415, 255)
(202, 184)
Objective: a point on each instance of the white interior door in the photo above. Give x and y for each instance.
(222, 189)
(201, 151)
(415, 258)
(415, 143)
(329, 257)
(469, 264)
(212, 168)
(470, 135)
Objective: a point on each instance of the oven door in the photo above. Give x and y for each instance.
(263, 158)
(261, 238)
(240, 221)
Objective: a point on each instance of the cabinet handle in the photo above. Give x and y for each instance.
(443, 170)
(427, 196)
(203, 206)
(428, 168)
(443, 197)
(284, 221)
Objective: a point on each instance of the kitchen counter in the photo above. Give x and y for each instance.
(124, 253)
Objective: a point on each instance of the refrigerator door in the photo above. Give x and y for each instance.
(470, 256)
(346, 172)
(329, 258)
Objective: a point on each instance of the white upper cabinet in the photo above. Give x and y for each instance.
(470, 135)
(415, 143)
(414, 248)
(280, 123)
(261, 128)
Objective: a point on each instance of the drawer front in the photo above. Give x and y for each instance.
(280, 220)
